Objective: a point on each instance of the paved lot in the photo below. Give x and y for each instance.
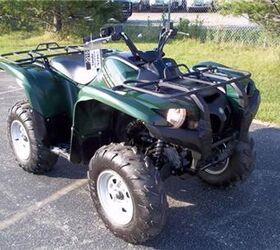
(55, 211)
(208, 19)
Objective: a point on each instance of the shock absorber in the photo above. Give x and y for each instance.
(158, 152)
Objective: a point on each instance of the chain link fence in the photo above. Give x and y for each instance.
(203, 25)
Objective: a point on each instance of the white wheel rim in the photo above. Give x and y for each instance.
(115, 197)
(220, 167)
(20, 140)
(216, 170)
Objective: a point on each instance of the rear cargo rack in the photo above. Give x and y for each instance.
(52, 48)
(42, 52)
(208, 76)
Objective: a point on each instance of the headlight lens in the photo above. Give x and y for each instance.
(176, 117)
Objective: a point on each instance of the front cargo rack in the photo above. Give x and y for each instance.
(208, 76)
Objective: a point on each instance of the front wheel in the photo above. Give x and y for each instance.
(127, 192)
(235, 168)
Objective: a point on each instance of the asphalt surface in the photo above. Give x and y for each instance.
(208, 19)
(55, 211)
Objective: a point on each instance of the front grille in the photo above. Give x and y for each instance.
(211, 98)
(215, 123)
(220, 112)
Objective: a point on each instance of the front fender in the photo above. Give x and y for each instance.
(123, 103)
(94, 116)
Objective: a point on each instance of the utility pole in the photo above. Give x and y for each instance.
(169, 14)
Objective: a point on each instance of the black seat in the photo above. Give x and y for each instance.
(73, 66)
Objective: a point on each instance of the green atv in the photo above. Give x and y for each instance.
(136, 118)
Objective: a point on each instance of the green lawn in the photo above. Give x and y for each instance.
(264, 63)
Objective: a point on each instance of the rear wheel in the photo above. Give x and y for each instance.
(235, 168)
(29, 151)
(127, 192)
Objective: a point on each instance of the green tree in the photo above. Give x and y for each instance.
(263, 12)
(55, 15)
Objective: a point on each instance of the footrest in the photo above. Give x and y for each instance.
(61, 150)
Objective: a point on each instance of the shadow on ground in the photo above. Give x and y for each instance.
(64, 169)
(244, 217)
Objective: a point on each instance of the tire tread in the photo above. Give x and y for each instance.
(152, 207)
(41, 159)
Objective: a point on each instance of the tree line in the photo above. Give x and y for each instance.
(266, 13)
(71, 16)
(83, 16)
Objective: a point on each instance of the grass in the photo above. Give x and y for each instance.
(22, 40)
(263, 63)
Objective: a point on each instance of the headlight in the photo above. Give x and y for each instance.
(176, 117)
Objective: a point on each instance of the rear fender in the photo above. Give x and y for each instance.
(20, 75)
(47, 94)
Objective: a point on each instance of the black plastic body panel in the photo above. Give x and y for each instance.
(200, 140)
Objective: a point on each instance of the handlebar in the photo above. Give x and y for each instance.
(115, 33)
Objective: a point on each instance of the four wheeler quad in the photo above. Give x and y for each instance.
(136, 117)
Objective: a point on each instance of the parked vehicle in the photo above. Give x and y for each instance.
(136, 117)
(160, 5)
(126, 8)
(141, 5)
(200, 5)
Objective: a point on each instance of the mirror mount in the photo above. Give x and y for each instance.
(113, 31)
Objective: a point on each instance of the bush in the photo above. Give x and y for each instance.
(195, 30)
(266, 13)
(243, 35)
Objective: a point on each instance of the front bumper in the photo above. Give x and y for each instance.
(200, 140)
